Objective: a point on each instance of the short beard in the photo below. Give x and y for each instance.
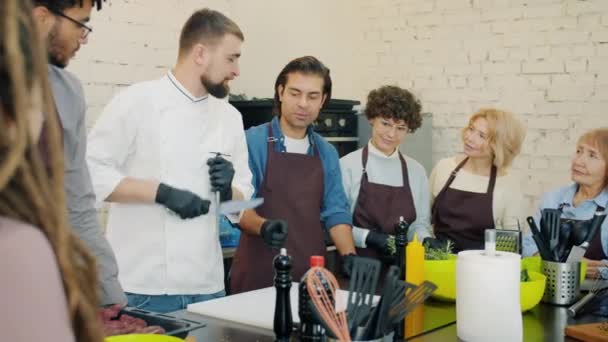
(219, 90)
(52, 47)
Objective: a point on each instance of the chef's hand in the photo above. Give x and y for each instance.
(348, 261)
(221, 173)
(274, 233)
(434, 243)
(378, 241)
(184, 203)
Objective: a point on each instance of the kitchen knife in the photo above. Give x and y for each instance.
(577, 252)
(233, 207)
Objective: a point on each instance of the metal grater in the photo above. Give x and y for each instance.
(508, 240)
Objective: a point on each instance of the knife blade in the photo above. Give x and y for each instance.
(232, 207)
(577, 252)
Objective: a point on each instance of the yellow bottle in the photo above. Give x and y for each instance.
(414, 262)
(414, 273)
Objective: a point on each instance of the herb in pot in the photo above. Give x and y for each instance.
(438, 253)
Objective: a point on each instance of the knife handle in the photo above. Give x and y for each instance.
(576, 307)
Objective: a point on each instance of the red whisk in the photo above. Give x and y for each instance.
(322, 286)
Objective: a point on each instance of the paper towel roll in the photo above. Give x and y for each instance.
(487, 297)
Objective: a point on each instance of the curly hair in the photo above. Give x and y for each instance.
(392, 102)
(31, 191)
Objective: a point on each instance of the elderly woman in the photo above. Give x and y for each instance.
(381, 183)
(475, 191)
(579, 200)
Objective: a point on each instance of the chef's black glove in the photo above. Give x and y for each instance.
(221, 173)
(274, 233)
(378, 241)
(434, 243)
(348, 261)
(184, 203)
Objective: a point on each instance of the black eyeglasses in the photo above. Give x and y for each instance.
(86, 29)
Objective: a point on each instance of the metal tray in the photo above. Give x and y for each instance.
(178, 327)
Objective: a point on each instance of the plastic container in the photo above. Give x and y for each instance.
(142, 338)
(173, 326)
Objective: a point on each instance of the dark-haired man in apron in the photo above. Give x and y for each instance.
(297, 172)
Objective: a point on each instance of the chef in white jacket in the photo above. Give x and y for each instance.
(151, 156)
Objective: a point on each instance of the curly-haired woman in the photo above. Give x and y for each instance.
(381, 183)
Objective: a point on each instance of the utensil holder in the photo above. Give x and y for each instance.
(563, 282)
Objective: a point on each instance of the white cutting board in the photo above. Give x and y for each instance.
(255, 308)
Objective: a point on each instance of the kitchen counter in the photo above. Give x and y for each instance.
(543, 323)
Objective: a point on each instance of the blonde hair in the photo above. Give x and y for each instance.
(597, 138)
(506, 134)
(31, 191)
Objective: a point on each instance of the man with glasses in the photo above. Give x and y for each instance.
(64, 26)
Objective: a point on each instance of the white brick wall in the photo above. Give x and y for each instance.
(546, 60)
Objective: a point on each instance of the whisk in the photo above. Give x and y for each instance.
(578, 306)
(322, 286)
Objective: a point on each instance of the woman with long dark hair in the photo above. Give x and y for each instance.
(48, 290)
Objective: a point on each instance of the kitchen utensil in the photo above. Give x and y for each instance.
(411, 299)
(322, 285)
(232, 207)
(361, 290)
(543, 248)
(372, 327)
(550, 225)
(577, 252)
(580, 304)
(565, 243)
(508, 240)
(563, 282)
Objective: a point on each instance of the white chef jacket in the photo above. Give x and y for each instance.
(157, 130)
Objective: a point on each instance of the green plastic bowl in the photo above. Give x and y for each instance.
(531, 291)
(443, 274)
(143, 338)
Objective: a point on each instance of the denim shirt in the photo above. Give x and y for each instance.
(334, 209)
(584, 211)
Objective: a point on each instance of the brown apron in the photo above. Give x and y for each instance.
(293, 191)
(463, 216)
(379, 206)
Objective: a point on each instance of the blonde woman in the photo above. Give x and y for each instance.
(48, 290)
(579, 200)
(475, 191)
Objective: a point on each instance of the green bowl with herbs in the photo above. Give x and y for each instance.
(443, 274)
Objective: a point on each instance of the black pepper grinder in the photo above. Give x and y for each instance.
(283, 322)
(401, 229)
